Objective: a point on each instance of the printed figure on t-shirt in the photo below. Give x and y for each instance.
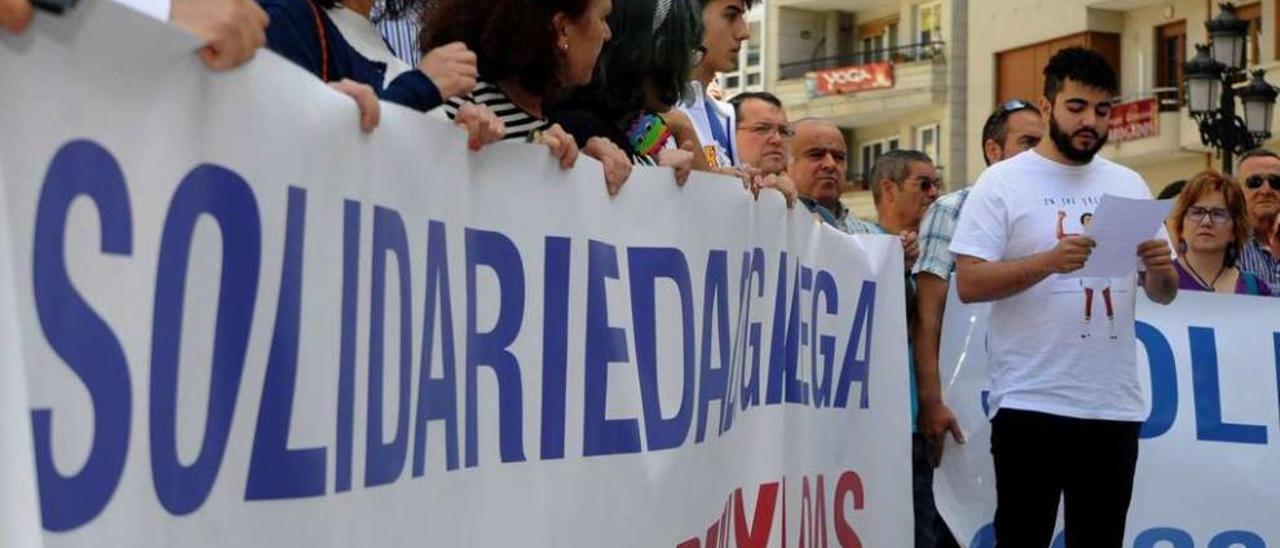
(1091, 285)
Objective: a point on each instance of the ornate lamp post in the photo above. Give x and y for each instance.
(1210, 78)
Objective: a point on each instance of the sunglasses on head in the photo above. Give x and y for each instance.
(1255, 181)
(1014, 105)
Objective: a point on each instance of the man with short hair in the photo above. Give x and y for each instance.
(725, 29)
(1012, 128)
(762, 136)
(818, 164)
(1067, 410)
(1259, 171)
(904, 183)
(762, 131)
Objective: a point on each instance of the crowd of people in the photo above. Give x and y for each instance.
(632, 84)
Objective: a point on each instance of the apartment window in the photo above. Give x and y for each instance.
(871, 152)
(928, 141)
(753, 79)
(1171, 53)
(732, 82)
(1020, 71)
(876, 37)
(1252, 14)
(929, 22)
(753, 47)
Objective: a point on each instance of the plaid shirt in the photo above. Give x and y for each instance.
(1257, 259)
(936, 231)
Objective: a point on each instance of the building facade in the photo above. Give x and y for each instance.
(890, 73)
(1147, 42)
(925, 74)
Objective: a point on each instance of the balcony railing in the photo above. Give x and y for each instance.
(910, 53)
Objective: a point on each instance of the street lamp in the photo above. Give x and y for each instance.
(1259, 100)
(1210, 78)
(1204, 81)
(1227, 34)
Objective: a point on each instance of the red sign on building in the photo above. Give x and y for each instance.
(1134, 120)
(851, 79)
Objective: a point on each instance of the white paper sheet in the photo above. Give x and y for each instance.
(1119, 225)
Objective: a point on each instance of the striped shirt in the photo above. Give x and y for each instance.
(520, 124)
(935, 235)
(402, 35)
(1258, 260)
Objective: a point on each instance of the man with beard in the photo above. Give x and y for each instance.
(1259, 171)
(1014, 127)
(1067, 410)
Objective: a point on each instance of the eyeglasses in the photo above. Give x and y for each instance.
(1216, 215)
(696, 57)
(927, 184)
(764, 129)
(1254, 182)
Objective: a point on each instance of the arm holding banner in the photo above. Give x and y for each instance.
(15, 15)
(232, 30)
(936, 419)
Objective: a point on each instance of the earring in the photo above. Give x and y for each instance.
(564, 46)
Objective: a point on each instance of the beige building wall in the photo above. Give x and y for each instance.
(925, 92)
(1176, 153)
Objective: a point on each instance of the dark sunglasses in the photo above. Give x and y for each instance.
(1255, 181)
(927, 184)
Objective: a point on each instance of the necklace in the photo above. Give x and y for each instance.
(1200, 279)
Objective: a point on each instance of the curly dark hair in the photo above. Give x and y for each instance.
(639, 60)
(1081, 65)
(511, 38)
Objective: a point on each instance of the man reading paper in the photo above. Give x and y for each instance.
(1066, 409)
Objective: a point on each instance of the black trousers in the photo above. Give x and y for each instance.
(1041, 457)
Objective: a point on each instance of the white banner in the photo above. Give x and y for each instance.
(1209, 461)
(231, 319)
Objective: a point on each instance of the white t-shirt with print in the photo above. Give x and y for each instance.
(1045, 354)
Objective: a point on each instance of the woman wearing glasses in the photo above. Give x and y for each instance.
(1212, 227)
